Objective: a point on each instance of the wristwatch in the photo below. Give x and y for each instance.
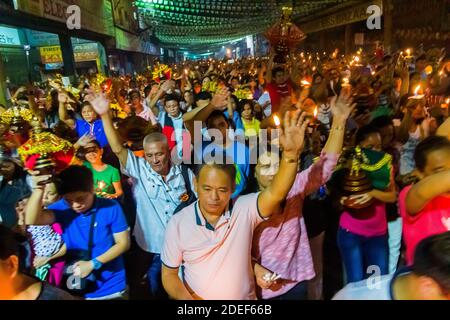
(97, 264)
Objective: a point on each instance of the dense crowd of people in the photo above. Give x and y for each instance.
(231, 180)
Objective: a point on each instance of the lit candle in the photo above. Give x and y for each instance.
(101, 185)
(305, 83)
(276, 120)
(315, 112)
(416, 90)
(416, 93)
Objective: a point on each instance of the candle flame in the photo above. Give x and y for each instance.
(101, 185)
(306, 83)
(416, 90)
(315, 112)
(408, 52)
(276, 120)
(447, 101)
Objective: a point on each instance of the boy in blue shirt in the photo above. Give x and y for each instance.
(75, 211)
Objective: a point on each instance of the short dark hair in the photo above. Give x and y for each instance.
(364, 132)
(10, 242)
(214, 115)
(172, 97)
(229, 169)
(75, 179)
(134, 92)
(381, 122)
(204, 95)
(428, 145)
(432, 259)
(276, 70)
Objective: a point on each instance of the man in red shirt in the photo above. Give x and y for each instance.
(279, 88)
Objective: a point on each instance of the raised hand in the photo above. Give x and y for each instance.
(220, 99)
(168, 85)
(99, 102)
(292, 138)
(84, 140)
(342, 107)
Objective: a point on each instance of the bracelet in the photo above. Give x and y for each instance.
(290, 160)
(97, 264)
(338, 128)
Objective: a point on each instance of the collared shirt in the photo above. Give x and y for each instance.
(93, 129)
(216, 260)
(281, 243)
(109, 220)
(147, 114)
(156, 200)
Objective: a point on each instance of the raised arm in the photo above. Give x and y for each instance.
(341, 108)
(426, 190)
(219, 102)
(292, 142)
(63, 99)
(101, 105)
(34, 213)
(166, 86)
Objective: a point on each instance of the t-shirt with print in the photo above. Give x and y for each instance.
(103, 180)
(433, 219)
(110, 278)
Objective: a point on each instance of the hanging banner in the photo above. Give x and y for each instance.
(51, 54)
(85, 52)
(81, 52)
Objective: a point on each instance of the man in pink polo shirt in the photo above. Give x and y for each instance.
(212, 238)
(425, 206)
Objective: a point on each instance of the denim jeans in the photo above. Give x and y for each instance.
(144, 274)
(358, 253)
(154, 277)
(395, 243)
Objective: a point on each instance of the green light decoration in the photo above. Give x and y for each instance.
(194, 23)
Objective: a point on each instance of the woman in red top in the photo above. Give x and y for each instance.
(425, 206)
